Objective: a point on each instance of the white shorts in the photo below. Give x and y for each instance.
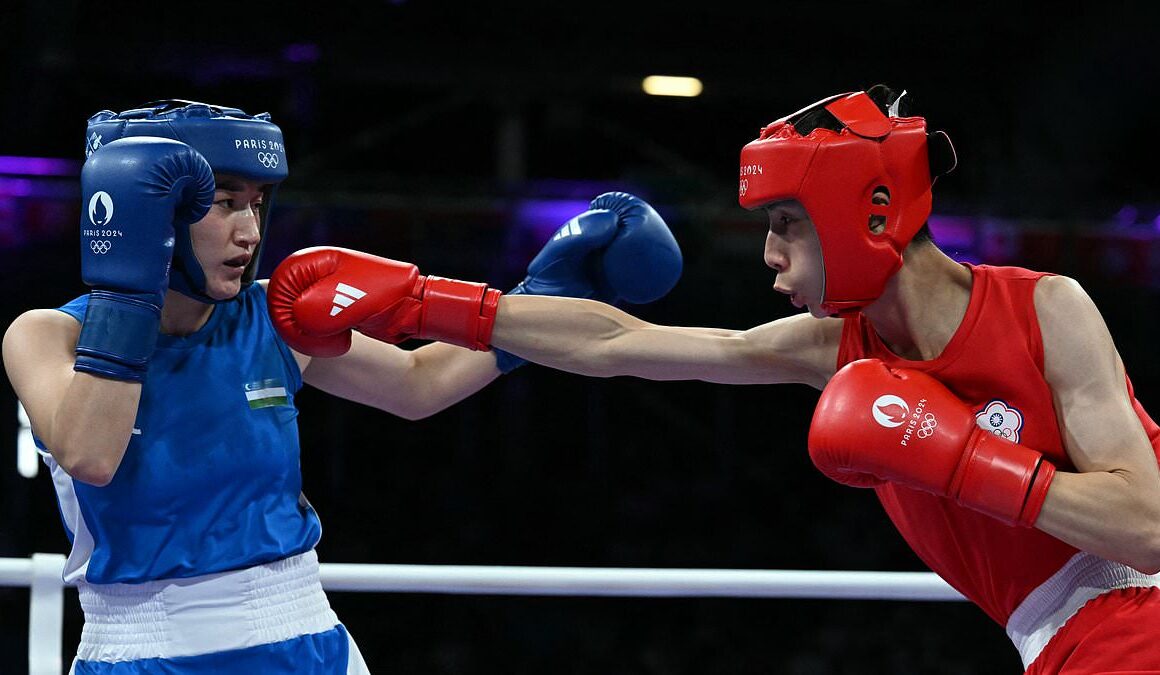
(271, 618)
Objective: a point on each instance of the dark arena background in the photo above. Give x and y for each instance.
(458, 136)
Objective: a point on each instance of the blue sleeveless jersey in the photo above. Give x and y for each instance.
(211, 479)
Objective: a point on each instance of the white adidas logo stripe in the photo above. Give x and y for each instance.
(569, 229)
(345, 296)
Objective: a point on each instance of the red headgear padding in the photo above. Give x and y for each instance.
(834, 174)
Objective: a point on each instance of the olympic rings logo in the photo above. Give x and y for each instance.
(927, 426)
(268, 159)
(100, 247)
(743, 187)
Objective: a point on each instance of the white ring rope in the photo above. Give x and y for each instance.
(43, 575)
(637, 582)
(606, 581)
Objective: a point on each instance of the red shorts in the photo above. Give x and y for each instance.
(1117, 632)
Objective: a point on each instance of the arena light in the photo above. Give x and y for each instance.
(666, 85)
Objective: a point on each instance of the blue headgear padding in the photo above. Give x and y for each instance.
(249, 146)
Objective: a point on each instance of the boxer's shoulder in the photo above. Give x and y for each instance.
(801, 345)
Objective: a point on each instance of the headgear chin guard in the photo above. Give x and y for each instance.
(248, 146)
(834, 175)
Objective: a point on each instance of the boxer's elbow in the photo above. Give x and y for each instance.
(598, 356)
(88, 460)
(414, 411)
(96, 470)
(601, 358)
(1141, 546)
(621, 350)
(1148, 559)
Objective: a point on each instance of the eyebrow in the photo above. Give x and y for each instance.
(230, 185)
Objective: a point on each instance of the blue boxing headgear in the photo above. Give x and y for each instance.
(249, 146)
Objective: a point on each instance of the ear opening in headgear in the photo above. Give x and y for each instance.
(941, 154)
(878, 217)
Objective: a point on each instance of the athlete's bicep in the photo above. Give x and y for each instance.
(1099, 426)
(801, 348)
(39, 351)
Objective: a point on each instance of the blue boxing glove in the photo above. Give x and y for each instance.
(621, 249)
(643, 261)
(135, 191)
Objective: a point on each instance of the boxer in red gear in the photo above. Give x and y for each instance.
(1052, 527)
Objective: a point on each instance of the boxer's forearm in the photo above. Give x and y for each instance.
(1113, 514)
(592, 338)
(92, 427)
(411, 384)
(564, 333)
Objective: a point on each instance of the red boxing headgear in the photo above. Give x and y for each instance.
(834, 174)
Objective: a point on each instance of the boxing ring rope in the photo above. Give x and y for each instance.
(42, 573)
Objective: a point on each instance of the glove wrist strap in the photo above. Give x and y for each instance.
(1003, 479)
(458, 312)
(118, 335)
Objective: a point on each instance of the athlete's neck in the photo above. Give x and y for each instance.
(923, 304)
(183, 315)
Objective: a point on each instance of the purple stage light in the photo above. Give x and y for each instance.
(302, 52)
(17, 187)
(39, 166)
(545, 216)
(957, 235)
(1127, 216)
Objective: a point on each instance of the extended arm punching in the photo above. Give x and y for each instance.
(591, 338)
(325, 301)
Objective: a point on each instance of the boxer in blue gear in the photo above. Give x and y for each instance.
(164, 400)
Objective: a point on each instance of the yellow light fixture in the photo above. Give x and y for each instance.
(666, 85)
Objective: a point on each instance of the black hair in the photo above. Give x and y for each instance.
(923, 235)
(884, 97)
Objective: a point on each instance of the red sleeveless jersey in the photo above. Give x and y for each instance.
(994, 363)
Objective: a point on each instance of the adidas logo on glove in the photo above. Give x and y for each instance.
(345, 296)
(569, 229)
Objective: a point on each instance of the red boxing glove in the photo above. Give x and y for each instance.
(318, 295)
(876, 424)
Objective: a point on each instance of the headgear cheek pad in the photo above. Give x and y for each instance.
(834, 175)
(248, 146)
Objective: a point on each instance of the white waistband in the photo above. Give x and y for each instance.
(1044, 611)
(211, 613)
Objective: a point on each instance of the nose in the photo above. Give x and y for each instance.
(774, 257)
(248, 230)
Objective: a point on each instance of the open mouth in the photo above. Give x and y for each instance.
(239, 261)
